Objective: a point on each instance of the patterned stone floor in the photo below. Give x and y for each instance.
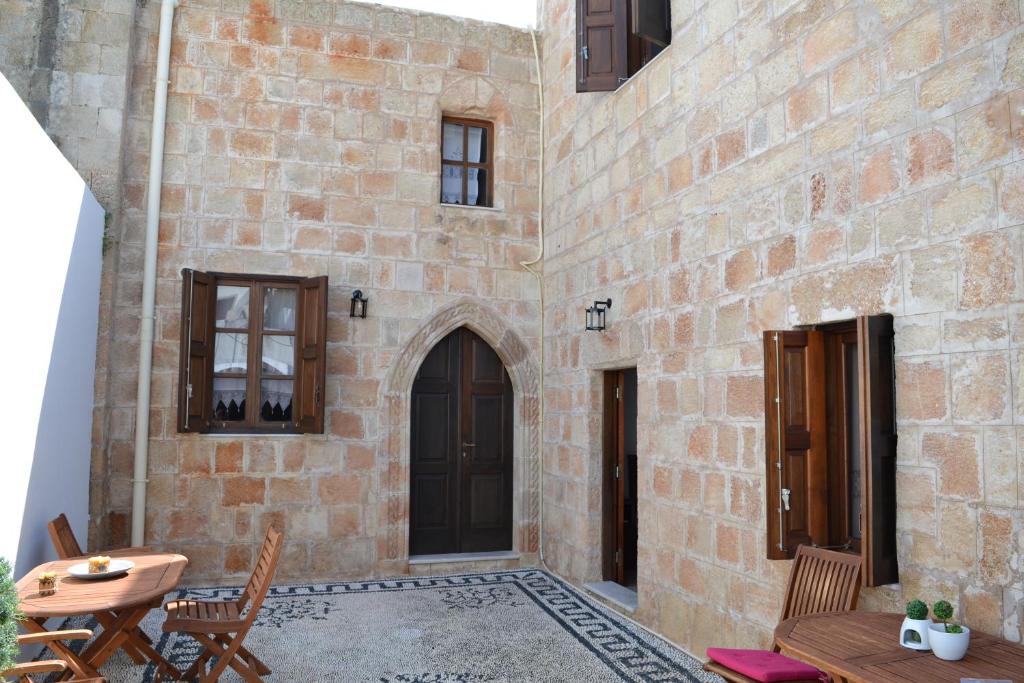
(522, 625)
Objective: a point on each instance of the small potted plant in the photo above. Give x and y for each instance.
(914, 631)
(948, 641)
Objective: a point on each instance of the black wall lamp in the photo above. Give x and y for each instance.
(595, 314)
(358, 309)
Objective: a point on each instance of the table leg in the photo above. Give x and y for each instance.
(124, 632)
(78, 665)
(105, 619)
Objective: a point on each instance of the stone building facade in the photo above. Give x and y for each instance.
(783, 162)
(302, 139)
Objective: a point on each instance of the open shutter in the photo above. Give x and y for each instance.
(651, 21)
(195, 370)
(313, 354)
(795, 441)
(878, 452)
(601, 45)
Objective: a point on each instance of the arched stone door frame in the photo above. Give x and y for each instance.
(393, 449)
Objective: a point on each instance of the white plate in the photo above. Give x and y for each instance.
(117, 568)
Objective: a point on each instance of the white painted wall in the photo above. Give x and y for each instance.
(51, 233)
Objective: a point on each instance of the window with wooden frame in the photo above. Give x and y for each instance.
(830, 442)
(467, 162)
(253, 353)
(616, 38)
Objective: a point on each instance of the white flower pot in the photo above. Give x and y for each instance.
(912, 628)
(948, 646)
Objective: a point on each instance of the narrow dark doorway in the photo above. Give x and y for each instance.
(460, 493)
(620, 477)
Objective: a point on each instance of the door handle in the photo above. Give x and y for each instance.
(785, 499)
(468, 445)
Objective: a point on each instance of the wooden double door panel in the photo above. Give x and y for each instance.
(461, 450)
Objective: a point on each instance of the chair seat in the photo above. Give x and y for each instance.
(736, 677)
(199, 616)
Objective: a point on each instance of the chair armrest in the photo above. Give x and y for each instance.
(49, 636)
(40, 667)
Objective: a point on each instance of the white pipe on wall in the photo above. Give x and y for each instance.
(529, 266)
(156, 171)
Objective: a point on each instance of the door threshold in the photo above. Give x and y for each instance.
(464, 557)
(615, 593)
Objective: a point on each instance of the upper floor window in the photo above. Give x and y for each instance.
(615, 38)
(252, 353)
(830, 438)
(467, 162)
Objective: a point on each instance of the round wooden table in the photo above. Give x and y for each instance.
(863, 647)
(124, 601)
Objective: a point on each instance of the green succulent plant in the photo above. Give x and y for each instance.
(10, 615)
(917, 609)
(944, 612)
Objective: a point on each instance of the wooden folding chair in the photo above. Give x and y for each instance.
(67, 546)
(820, 581)
(220, 627)
(23, 672)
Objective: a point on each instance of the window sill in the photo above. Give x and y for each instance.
(466, 207)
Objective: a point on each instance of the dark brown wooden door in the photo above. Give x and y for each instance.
(461, 459)
(620, 479)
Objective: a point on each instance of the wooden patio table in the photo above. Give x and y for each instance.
(129, 598)
(863, 647)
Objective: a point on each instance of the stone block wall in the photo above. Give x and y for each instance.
(304, 139)
(788, 162)
(69, 59)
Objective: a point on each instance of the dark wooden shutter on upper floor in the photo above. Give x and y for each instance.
(601, 45)
(312, 360)
(195, 371)
(795, 440)
(651, 20)
(878, 453)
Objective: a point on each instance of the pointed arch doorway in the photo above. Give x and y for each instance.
(461, 455)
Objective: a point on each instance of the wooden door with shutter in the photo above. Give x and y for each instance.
(461, 450)
(796, 441)
(601, 45)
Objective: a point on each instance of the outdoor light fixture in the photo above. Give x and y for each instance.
(595, 314)
(358, 309)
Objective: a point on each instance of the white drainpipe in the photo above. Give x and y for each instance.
(156, 172)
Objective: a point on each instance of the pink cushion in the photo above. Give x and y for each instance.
(765, 666)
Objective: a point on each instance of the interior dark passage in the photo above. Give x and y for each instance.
(460, 466)
(620, 480)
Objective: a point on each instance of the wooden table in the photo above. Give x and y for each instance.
(863, 647)
(129, 598)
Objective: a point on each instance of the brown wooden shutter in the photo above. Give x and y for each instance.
(312, 341)
(601, 45)
(651, 21)
(195, 371)
(878, 453)
(795, 441)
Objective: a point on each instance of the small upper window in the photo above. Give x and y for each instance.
(615, 38)
(252, 353)
(467, 162)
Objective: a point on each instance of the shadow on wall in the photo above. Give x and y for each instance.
(59, 478)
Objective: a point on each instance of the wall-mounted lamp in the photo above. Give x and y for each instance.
(358, 309)
(595, 314)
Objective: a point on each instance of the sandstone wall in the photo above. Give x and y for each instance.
(303, 139)
(782, 163)
(68, 59)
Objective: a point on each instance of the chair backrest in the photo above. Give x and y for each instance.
(822, 581)
(64, 541)
(259, 583)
